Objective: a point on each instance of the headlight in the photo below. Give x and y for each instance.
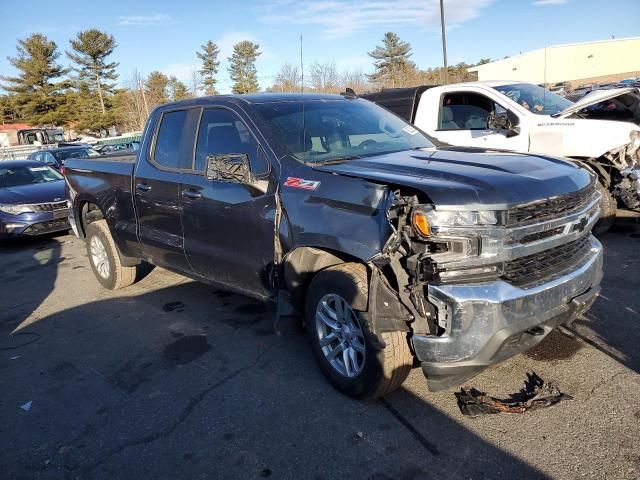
(425, 220)
(17, 209)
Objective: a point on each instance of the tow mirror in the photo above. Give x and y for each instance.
(229, 167)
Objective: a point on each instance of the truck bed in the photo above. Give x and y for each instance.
(100, 175)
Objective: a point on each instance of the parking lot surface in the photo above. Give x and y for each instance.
(172, 379)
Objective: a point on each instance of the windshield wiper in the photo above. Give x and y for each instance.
(334, 161)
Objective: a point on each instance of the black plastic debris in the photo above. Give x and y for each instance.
(535, 394)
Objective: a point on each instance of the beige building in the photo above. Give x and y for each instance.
(577, 63)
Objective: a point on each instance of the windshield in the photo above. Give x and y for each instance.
(17, 176)
(335, 130)
(534, 98)
(55, 136)
(62, 155)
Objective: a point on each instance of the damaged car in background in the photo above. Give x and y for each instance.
(601, 131)
(397, 252)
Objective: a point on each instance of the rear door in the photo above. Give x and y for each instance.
(156, 187)
(229, 223)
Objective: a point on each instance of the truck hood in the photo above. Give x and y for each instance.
(33, 193)
(593, 98)
(468, 177)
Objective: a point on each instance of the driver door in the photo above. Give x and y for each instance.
(228, 222)
(464, 121)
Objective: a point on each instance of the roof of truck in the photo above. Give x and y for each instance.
(253, 98)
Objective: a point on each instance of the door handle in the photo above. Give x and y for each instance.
(191, 194)
(143, 187)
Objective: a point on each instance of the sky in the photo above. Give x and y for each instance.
(165, 35)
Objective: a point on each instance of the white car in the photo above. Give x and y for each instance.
(601, 130)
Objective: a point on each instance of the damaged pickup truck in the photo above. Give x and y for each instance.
(398, 252)
(600, 131)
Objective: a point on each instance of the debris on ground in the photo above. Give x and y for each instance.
(535, 394)
(26, 406)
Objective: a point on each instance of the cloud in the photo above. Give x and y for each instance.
(542, 3)
(144, 20)
(228, 40)
(342, 18)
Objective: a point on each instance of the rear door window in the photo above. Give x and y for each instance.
(174, 142)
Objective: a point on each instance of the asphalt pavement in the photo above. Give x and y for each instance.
(172, 379)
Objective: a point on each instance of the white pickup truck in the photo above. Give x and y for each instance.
(600, 131)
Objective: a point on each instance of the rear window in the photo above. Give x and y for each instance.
(17, 176)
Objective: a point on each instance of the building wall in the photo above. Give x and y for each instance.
(580, 63)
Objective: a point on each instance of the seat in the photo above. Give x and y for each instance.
(446, 119)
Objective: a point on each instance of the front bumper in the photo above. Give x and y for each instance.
(13, 226)
(490, 322)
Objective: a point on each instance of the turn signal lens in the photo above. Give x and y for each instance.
(421, 224)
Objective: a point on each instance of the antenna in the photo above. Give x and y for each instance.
(301, 68)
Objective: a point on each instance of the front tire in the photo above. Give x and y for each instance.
(340, 339)
(608, 207)
(105, 259)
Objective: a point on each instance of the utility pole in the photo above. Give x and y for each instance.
(444, 43)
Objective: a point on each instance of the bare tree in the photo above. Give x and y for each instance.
(288, 79)
(356, 80)
(196, 81)
(131, 106)
(324, 77)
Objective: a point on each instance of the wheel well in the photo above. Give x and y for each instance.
(89, 213)
(301, 264)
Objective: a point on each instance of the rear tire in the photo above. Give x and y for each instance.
(608, 207)
(105, 259)
(372, 372)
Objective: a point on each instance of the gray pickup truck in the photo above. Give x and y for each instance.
(397, 252)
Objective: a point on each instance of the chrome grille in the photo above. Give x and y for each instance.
(543, 266)
(550, 208)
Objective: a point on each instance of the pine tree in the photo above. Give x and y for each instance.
(90, 50)
(157, 88)
(37, 97)
(177, 89)
(391, 60)
(210, 63)
(242, 68)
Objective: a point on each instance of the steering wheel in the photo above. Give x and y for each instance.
(367, 144)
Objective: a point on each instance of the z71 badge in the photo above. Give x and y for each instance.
(301, 183)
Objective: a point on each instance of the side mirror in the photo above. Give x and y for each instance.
(504, 121)
(229, 167)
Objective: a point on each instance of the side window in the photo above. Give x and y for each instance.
(221, 132)
(465, 111)
(174, 142)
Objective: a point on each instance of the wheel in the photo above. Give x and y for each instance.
(104, 258)
(608, 206)
(340, 339)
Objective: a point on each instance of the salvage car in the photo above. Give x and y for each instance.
(397, 251)
(32, 199)
(55, 157)
(600, 131)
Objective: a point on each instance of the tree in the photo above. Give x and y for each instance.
(157, 88)
(391, 61)
(210, 63)
(323, 77)
(242, 68)
(196, 81)
(177, 89)
(288, 79)
(8, 111)
(356, 80)
(90, 50)
(37, 97)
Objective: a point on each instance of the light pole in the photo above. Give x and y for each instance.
(444, 43)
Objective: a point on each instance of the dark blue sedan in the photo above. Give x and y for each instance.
(55, 157)
(32, 199)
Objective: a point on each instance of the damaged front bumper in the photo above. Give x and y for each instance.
(490, 322)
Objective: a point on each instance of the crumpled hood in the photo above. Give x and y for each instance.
(469, 177)
(595, 97)
(33, 193)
